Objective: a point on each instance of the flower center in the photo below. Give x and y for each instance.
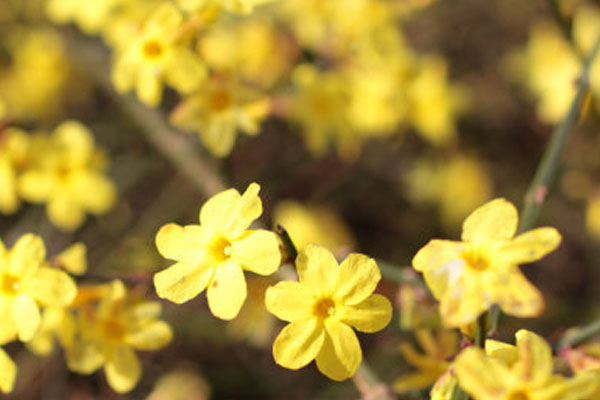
(219, 100)
(220, 249)
(476, 258)
(10, 284)
(152, 49)
(520, 395)
(324, 308)
(113, 329)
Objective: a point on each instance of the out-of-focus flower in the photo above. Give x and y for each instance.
(69, 177)
(524, 372)
(217, 111)
(323, 307)
(468, 277)
(417, 308)
(25, 284)
(108, 335)
(432, 363)
(181, 384)
(214, 254)
(8, 372)
(314, 224)
(592, 216)
(155, 55)
(90, 16)
(13, 159)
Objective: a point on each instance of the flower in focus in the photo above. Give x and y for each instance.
(214, 254)
(323, 307)
(155, 55)
(68, 177)
(523, 372)
(218, 111)
(468, 277)
(108, 335)
(25, 284)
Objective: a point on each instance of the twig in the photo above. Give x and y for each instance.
(580, 336)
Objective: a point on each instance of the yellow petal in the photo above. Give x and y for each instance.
(535, 358)
(464, 302)
(9, 199)
(149, 86)
(501, 351)
(414, 381)
(146, 310)
(26, 315)
(257, 251)
(495, 220)
(65, 213)
(8, 328)
(517, 296)
(298, 343)
(370, 315)
(182, 281)
(84, 356)
(219, 136)
(531, 246)
(442, 266)
(357, 279)
(226, 292)
(95, 192)
(480, 375)
(340, 355)
(27, 255)
(317, 269)
(184, 70)
(289, 301)
(75, 142)
(73, 258)
(182, 242)
(37, 186)
(123, 369)
(8, 372)
(51, 287)
(229, 213)
(152, 336)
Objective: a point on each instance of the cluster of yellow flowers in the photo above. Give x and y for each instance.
(96, 325)
(363, 79)
(63, 170)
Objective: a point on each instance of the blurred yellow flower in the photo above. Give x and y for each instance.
(214, 254)
(108, 335)
(592, 216)
(323, 307)
(154, 55)
(217, 111)
(90, 16)
(13, 158)
(437, 347)
(524, 372)
(468, 277)
(25, 284)
(314, 224)
(8, 372)
(68, 178)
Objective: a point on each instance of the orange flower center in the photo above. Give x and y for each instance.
(324, 308)
(220, 249)
(520, 395)
(476, 258)
(219, 100)
(114, 329)
(10, 284)
(152, 49)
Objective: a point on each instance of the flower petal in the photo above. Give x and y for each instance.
(95, 192)
(535, 358)
(464, 302)
(176, 242)
(149, 85)
(123, 369)
(84, 356)
(51, 287)
(530, 246)
(8, 372)
(229, 213)
(182, 281)
(37, 186)
(357, 278)
(317, 269)
(26, 315)
(495, 220)
(8, 328)
(65, 212)
(298, 343)
(257, 251)
(151, 336)
(289, 301)
(26, 255)
(441, 263)
(227, 291)
(341, 354)
(73, 258)
(517, 296)
(370, 315)
(480, 375)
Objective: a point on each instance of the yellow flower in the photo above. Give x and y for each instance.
(155, 55)
(323, 307)
(68, 177)
(25, 283)
(221, 108)
(108, 334)
(8, 372)
(432, 364)
(13, 149)
(214, 254)
(468, 277)
(521, 373)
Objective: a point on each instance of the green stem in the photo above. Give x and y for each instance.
(580, 336)
(398, 274)
(369, 385)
